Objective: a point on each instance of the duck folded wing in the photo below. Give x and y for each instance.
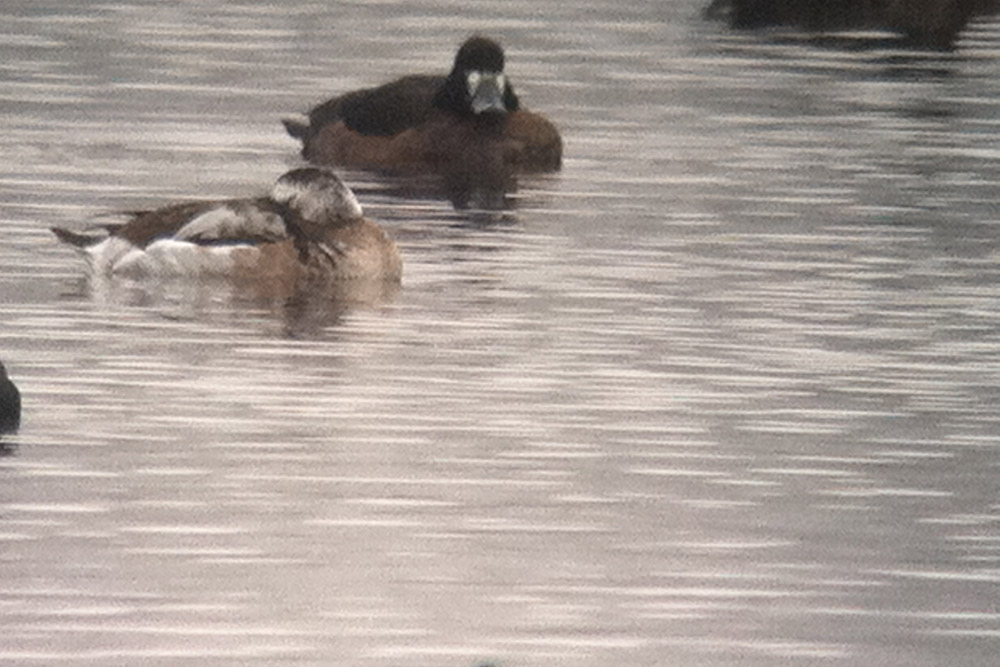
(383, 111)
(235, 222)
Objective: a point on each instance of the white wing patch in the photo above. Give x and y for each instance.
(234, 222)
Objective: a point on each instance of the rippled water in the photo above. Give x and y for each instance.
(721, 392)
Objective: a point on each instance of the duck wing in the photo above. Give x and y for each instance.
(236, 221)
(383, 111)
(139, 228)
(148, 226)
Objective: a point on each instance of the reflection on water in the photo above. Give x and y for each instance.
(302, 310)
(721, 392)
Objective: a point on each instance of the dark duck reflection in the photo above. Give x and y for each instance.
(467, 128)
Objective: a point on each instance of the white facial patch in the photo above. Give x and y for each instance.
(472, 80)
(486, 91)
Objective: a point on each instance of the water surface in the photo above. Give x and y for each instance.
(721, 392)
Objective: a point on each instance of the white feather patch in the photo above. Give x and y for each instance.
(172, 258)
(105, 254)
(227, 223)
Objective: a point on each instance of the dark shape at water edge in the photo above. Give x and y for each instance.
(10, 404)
(933, 24)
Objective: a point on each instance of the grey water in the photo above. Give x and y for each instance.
(722, 392)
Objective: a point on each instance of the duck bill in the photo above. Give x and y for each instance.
(486, 90)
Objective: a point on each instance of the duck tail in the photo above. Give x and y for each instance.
(74, 239)
(298, 127)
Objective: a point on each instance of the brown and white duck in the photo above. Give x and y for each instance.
(310, 227)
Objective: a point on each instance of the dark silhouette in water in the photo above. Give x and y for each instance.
(927, 23)
(10, 404)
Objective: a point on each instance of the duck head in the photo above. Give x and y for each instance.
(477, 84)
(316, 195)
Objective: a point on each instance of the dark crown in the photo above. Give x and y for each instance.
(479, 53)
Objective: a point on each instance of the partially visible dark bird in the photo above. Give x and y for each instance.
(10, 404)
